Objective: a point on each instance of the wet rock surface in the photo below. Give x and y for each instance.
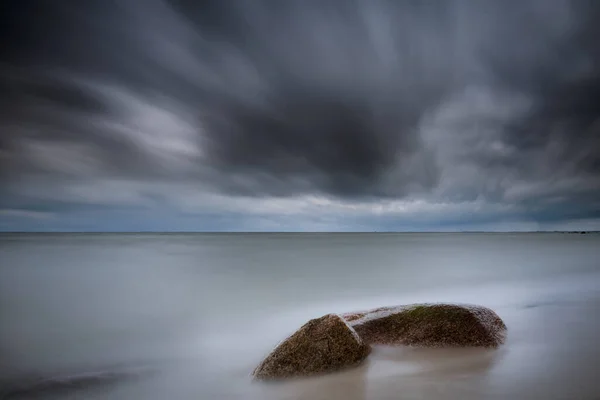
(322, 345)
(429, 325)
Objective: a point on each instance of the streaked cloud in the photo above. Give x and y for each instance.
(352, 115)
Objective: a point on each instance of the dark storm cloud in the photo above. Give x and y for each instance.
(325, 100)
(357, 99)
(41, 111)
(561, 73)
(555, 143)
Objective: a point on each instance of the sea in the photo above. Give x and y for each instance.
(189, 315)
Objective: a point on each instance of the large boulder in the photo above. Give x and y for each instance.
(431, 325)
(321, 345)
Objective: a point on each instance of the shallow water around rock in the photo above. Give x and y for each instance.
(188, 316)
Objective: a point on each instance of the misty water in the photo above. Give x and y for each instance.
(188, 316)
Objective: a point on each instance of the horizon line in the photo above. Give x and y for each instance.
(289, 232)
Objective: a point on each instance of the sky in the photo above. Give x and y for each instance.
(299, 115)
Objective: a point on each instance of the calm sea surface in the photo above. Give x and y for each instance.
(188, 316)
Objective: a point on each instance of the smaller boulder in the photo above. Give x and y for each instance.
(324, 344)
(430, 325)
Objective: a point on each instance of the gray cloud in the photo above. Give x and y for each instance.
(364, 101)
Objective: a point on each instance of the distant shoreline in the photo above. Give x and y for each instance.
(281, 232)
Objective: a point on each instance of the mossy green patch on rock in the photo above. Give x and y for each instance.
(321, 345)
(431, 325)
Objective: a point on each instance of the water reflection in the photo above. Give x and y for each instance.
(345, 385)
(393, 372)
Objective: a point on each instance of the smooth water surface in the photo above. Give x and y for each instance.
(188, 316)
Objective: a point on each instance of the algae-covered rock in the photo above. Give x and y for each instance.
(321, 345)
(431, 325)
